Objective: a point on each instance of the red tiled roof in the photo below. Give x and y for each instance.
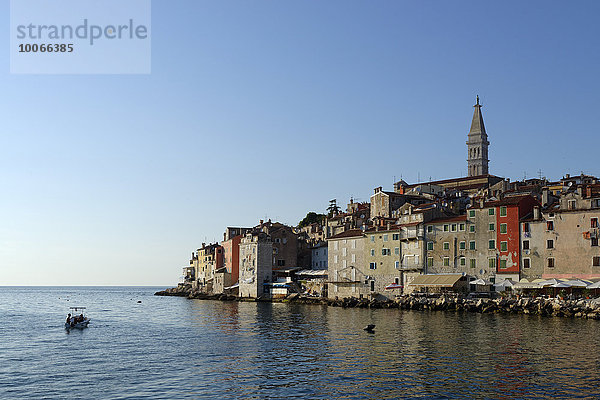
(349, 233)
(466, 178)
(457, 218)
(508, 201)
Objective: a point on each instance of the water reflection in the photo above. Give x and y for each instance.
(179, 348)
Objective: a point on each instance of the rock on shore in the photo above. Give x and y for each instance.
(535, 306)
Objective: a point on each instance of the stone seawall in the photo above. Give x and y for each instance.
(588, 308)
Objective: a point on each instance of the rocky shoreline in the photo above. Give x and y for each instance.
(583, 308)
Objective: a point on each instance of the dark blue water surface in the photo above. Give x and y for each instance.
(171, 348)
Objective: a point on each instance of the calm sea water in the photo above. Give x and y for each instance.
(170, 348)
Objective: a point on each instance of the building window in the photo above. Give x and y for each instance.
(462, 245)
(372, 252)
(344, 265)
(492, 263)
(472, 228)
(491, 244)
(594, 222)
(503, 228)
(473, 263)
(429, 228)
(372, 286)
(572, 204)
(344, 251)
(526, 227)
(492, 228)
(503, 246)
(372, 265)
(353, 258)
(385, 238)
(503, 264)
(386, 252)
(471, 213)
(453, 227)
(335, 259)
(594, 242)
(461, 227)
(429, 245)
(525, 244)
(281, 263)
(395, 236)
(503, 211)
(472, 245)
(550, 244)
(596, 261)
(446, 228)
(372, 238)
(463, 261)
(397, 264)
(446, 261)
(430, 261)
(550, 225)
(446, 245)
(550, 263)
(491, 211)
(526, 263)
(397, 251)
(353, 243)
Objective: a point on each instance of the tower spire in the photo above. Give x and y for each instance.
(477, 144)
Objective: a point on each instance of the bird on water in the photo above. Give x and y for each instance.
(369, 328)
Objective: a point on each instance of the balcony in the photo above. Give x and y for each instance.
(410, 265)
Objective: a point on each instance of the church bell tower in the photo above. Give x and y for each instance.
(477, 144)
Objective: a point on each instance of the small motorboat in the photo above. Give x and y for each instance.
(77, 318)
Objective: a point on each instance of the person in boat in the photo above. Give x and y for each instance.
(81, 318)
(69, 319)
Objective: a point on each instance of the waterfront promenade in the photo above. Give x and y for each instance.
(547, 307)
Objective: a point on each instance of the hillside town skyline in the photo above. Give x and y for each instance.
(480, 227)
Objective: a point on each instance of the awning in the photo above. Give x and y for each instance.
(480, 282)
(436, 280)
(525, 284)
(394, 286)
(232, 286)
(313, 272)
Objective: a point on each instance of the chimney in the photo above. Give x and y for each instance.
(545, 197)
(536, 213)
(203, 245)
(224, 236)
(378, 189)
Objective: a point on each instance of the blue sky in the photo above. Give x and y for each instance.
(272, 108)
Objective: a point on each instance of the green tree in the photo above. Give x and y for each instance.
(333, 208)
(311, 218)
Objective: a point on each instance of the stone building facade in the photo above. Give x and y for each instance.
(561, 241)
(495, 236)
(384, 259)
(447, 246)
(346, 267)
(256, 273)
